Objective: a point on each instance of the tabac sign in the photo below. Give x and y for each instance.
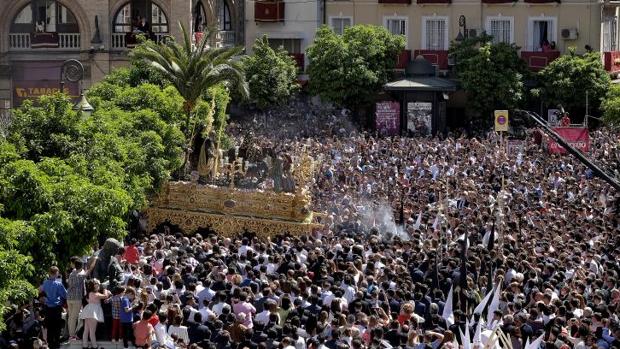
(33, 89)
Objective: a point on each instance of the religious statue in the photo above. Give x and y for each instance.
(110, 249)
(277, 170)
(207, 161)
(288, 180)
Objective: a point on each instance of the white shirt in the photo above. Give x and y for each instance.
(207, 294)
(217, 308)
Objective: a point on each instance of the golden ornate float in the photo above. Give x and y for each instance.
(229, 211)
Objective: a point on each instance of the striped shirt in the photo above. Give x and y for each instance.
(76, 285)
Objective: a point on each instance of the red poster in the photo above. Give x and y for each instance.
(578, 137)
(387, 118)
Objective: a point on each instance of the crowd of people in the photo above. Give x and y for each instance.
(424, 240)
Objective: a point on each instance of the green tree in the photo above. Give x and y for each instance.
(350, 69)
(611, 106)
(74, 185)
(567, 79)
(490, 73)
(192, 71)
(16, 267)
(271, 74)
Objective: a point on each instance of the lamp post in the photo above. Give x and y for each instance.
(83, 106)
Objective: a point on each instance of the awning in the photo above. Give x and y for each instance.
(421, 83)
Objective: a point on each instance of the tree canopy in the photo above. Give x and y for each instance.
(567, 79)
(271, 74)
(490, 73)
(350, 69)
(193, 70)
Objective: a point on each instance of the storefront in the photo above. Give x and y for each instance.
(33, 79)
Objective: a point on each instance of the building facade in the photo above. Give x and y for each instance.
(37, 36)
(291, 24)
(543, 29)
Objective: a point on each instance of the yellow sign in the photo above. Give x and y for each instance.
(501, 121)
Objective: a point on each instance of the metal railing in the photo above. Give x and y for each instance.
(69, 41)
(226, 38)
(19, 41)
(119, 40)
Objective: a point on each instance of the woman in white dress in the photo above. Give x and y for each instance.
(92, 313)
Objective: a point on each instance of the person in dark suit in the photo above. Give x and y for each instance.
(197, 331)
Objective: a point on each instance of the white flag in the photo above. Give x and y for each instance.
(478, 334)
(536, 343)
(418, 221)
(447, 314)
(483, 303)
(493, 306)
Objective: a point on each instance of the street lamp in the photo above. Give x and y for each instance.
(83, 106)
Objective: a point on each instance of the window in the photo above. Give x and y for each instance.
(435, 33)
(159, 22)
(610, 37)
(122, 22)
(501, 29)
(290, 45)
(45, 16)
(156, 19)
(224, 16)
(24, 16)
(397, 26)
(200, 17)
(339, 24)
(542, 33)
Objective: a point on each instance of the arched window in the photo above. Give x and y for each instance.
(45, 16)
(225, 23)
(200, 17)
(128, 19)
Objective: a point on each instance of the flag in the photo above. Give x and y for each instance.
(494, 305)
(418, 221)
(536, 343)
(478, 334)
(436, 222)
(447, 314)
(463, 272)
(483, 303)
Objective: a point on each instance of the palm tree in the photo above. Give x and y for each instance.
(192, 70)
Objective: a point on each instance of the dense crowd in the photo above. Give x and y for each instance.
(424, 240)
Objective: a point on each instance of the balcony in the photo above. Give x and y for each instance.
(299, 59)
(403, 59)
(538, 60)
(541, 1)
(225, 38)
(423, 2)
(438, 58)
(405, 2)
(611, 61)
(498, 1)
(122, 41)
(269, 11)
(27, 41)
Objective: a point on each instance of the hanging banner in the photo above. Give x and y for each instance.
(419, 118)
(578, 137)
(501, 121)
(387, 118)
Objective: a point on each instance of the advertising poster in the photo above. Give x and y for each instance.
(387, 118)
(419, 118)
